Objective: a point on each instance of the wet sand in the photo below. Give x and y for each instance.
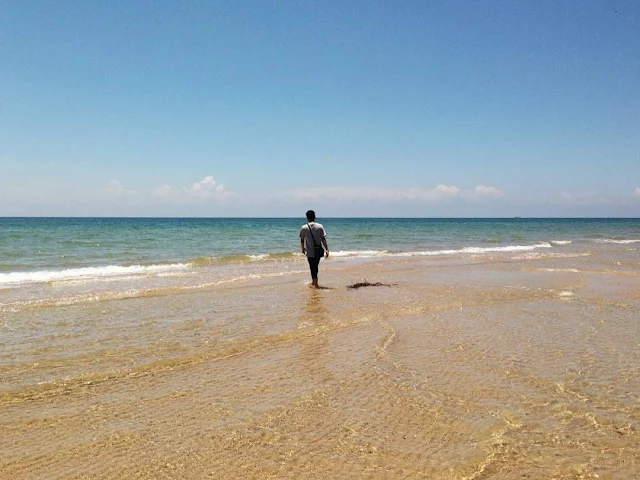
(465, 368)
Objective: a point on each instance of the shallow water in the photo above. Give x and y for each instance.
(500, 365)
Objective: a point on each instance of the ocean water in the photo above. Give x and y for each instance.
(194, 348)
(36, 250)
(62, 261)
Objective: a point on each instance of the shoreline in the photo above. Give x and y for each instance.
(466, 368)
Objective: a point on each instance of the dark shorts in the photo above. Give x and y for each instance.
(313, 265)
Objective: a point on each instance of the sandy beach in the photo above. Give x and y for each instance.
(462, 369)
(167, 166)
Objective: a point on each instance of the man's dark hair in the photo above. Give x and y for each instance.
(311, 215)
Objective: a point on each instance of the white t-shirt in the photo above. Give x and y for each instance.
(318, 234)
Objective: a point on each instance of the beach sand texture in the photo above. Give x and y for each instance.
(465, 368)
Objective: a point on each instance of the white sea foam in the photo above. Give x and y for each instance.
(560, 242)
(111, 272)
(49, 299)
(541, 255)
(477, 250)
(565, 294)
(87, 273)
(563, 270)
(359, 253)
(611, 240)
(429, 253)
(258, 257)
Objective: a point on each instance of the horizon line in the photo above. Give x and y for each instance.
(327, 217)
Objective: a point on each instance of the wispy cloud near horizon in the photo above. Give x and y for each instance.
(440, 193)
(205, 189)
(117, 189)
(55, 196)
(487, 192)
(347, 194)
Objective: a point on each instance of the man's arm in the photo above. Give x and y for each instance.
(326, 246)
(304, 250)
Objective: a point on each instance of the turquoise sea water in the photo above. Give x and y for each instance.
(52, 262)
(32, 245)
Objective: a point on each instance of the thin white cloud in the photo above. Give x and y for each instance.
(116, 189)
(347, 194)
(205, 189)
(162, 191)
(582, 199)
(637, 192)
(445, 191)
(484, 192)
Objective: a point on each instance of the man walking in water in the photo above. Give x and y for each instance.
(312, 238)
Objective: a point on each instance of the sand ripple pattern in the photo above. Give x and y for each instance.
(463, 370)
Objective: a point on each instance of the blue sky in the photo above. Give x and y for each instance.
(357, 108)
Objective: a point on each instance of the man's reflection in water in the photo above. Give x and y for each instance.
(315, 352)
(315, 307)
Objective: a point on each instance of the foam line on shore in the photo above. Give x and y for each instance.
(109, 272)
(43, 276)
